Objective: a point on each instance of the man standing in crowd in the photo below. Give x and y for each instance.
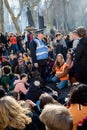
(81, 55)
(61, 45)
(75, 38)
(39, 53)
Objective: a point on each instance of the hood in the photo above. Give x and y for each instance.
(17, 81)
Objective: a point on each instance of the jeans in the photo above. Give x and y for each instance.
(55, 79)
(14, 47)
(61, 84)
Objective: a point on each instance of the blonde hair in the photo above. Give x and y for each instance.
(56, 117)
(60, 55)
(12, 114)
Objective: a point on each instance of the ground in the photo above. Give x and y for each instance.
(63, 93)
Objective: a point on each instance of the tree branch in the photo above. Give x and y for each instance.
(14, 19)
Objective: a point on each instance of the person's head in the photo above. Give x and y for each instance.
(56, 117)
(60, 59)
(78, 94)
(12, 56)
(24, 77)
(12, 114)
(40, 34)
(58, 36)
(14, 94)
(45, 98)
(74, 35)
(35, 74)
(29, 65)
(12, 34)
(20, 61)
(81, 31)
(6, 70)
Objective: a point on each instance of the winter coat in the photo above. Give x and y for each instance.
(81, 59)
(61, 48)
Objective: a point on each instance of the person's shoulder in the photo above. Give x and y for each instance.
(33, 42)
(18, 82)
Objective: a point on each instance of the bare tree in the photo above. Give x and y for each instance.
(14, 18)
(1, 16)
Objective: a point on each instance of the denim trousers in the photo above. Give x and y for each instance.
(61, 83)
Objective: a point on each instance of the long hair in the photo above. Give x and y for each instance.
(12, 114)
(62, 59)
(45, 98)
(58, 64)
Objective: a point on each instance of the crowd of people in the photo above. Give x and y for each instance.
(28, 63)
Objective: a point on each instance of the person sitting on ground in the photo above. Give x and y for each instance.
(46, 98)
(61, 72)
(19, 86)
(7, 79)
(37, 87)
(56, 117)
(21, 67)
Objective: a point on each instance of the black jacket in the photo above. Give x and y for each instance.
(81, 60)
(61, 48)
(81, 52)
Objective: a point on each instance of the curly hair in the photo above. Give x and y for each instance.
(12, 114)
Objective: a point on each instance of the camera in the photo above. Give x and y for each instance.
(72, 52)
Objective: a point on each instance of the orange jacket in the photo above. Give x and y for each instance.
(77, 114)
(63, 72)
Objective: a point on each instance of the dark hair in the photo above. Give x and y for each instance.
(14, 94)
(23, 75)
(6, 70)
(46, 98)
(35, 74)
(81, 31)
(28, 63)
(2, 92)
(79, 95)
(58, 34)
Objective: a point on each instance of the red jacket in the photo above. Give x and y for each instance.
(13, 40)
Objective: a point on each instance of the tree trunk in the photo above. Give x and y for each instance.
(14, 19)
(1, 16)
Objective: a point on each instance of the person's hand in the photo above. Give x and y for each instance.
(7, 86)
(56, 74)
(31, 103)
(36, 65)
